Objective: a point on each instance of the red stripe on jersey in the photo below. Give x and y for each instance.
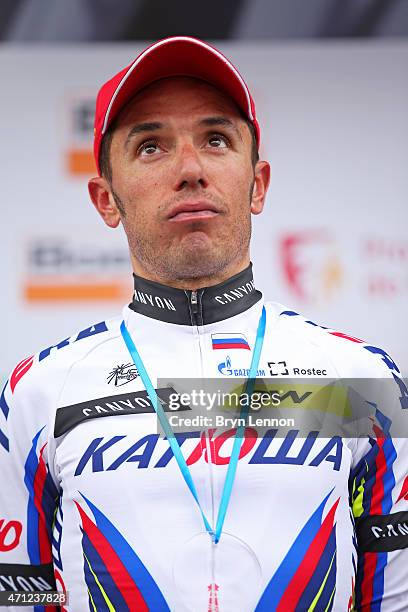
(309, 563)
(19, 371)
(346, 336)
(377, 496)
(404, 490)
(120, 576)
(367, 585)
(231, 345)
(39, 483)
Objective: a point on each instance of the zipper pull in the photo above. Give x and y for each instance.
(194, 302)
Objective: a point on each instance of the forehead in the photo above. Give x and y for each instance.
(183, 96)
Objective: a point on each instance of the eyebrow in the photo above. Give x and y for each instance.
(151, 126)
(221, 121)
(154, 126)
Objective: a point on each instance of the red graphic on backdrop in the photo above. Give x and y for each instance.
(310, 264)
(10, 534)
(19, 371)
(387, 274)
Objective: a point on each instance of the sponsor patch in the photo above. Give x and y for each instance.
(122, 374)
(383, 533)
(229, 341)
(281, 368)
(113, 405)
(226, 369)
(16, 577)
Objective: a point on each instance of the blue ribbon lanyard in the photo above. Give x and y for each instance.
(175, 447)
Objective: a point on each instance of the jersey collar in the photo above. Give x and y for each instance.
(201, 307)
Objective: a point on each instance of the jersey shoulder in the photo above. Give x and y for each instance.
(351, 356)
(49, 366)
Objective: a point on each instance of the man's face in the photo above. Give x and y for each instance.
(183, 181)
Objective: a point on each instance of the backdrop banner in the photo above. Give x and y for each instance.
(331, 244)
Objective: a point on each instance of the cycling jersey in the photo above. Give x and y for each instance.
(93, 501)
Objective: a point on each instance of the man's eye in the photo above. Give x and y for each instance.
(148, 148)
(216, 141)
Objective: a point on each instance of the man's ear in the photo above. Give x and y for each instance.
(102, 198)
(261, 184)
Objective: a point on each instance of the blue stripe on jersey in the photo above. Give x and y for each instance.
(3, 404)
(103, 575)
(94, 591)
(30, 467)
(57, 536)
(388, 482)
(378, 584)
(283, 575)
(4, 441)
(388, 479)
(318, 577)
(327, 595)
(141, 576)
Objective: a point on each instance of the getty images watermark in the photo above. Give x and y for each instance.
(200, 399)
(349, 408)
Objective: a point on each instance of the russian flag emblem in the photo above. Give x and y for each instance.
(229, 341)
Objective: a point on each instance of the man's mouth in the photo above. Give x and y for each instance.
(193, 211)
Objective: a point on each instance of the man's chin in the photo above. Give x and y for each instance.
(197, 257)
(196, 244)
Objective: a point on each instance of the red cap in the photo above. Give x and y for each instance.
(170, 57)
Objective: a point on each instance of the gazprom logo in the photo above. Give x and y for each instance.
(225, 368)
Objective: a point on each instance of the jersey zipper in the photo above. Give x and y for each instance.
(194, 307)
(194, 310)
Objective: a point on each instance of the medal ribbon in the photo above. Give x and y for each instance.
(175, 447)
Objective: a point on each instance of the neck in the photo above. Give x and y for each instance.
(195, 283)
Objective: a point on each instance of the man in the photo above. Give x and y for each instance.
(127, 519)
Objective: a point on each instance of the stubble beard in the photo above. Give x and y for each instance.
(197, 256)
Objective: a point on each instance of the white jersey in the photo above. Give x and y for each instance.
(92, 500)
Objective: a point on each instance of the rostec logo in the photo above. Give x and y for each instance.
(10, 534)
(278, 368)
(108, 454)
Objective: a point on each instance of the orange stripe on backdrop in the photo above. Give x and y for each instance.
(75, 293)
(81, 161)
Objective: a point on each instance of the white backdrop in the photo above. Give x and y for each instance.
(332, 242)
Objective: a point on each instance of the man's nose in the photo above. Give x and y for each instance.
(190, 171)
